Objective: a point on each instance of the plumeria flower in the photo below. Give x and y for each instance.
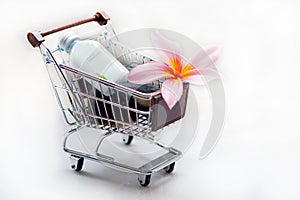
(173, 71)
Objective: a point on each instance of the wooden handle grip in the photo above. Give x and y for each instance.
(36, 38)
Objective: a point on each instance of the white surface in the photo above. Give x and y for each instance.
(258, 155)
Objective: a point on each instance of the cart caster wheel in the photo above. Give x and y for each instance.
(76, 162)
(144, 180)
(170, 168)
(127, 139)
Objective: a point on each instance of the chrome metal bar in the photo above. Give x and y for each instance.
(44, 53)
(111, 84)
(105, 135)
(90, 106)
(161, 162)
(146, 169)
(68, 85)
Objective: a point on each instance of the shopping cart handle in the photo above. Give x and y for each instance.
(37, 38)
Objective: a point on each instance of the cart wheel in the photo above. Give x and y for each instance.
(76, 162)
(144, 180)
(127, 139)
(170, 168)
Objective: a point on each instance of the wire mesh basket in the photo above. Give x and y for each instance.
(88, 101)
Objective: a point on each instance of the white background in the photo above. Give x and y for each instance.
(258, 156)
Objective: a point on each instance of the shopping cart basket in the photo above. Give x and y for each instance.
(125, 111)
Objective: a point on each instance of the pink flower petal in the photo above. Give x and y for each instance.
(148, 72)
(170, 50)
(189, 70)
(199, 76)
(206, 57)
(171, 91)
(195, 79)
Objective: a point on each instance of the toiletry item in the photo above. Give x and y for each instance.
(145, 88)
(104, 110)
(161, 115)
(93, 58)
(116, 108)
(141, 104)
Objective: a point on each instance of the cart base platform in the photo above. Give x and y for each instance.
(166, 161)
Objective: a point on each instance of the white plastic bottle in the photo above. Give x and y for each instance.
(91, 57)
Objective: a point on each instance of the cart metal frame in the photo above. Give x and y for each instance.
(76, 92)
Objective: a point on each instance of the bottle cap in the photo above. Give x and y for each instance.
(67, 41)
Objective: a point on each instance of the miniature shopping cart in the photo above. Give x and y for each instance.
(124, 111)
